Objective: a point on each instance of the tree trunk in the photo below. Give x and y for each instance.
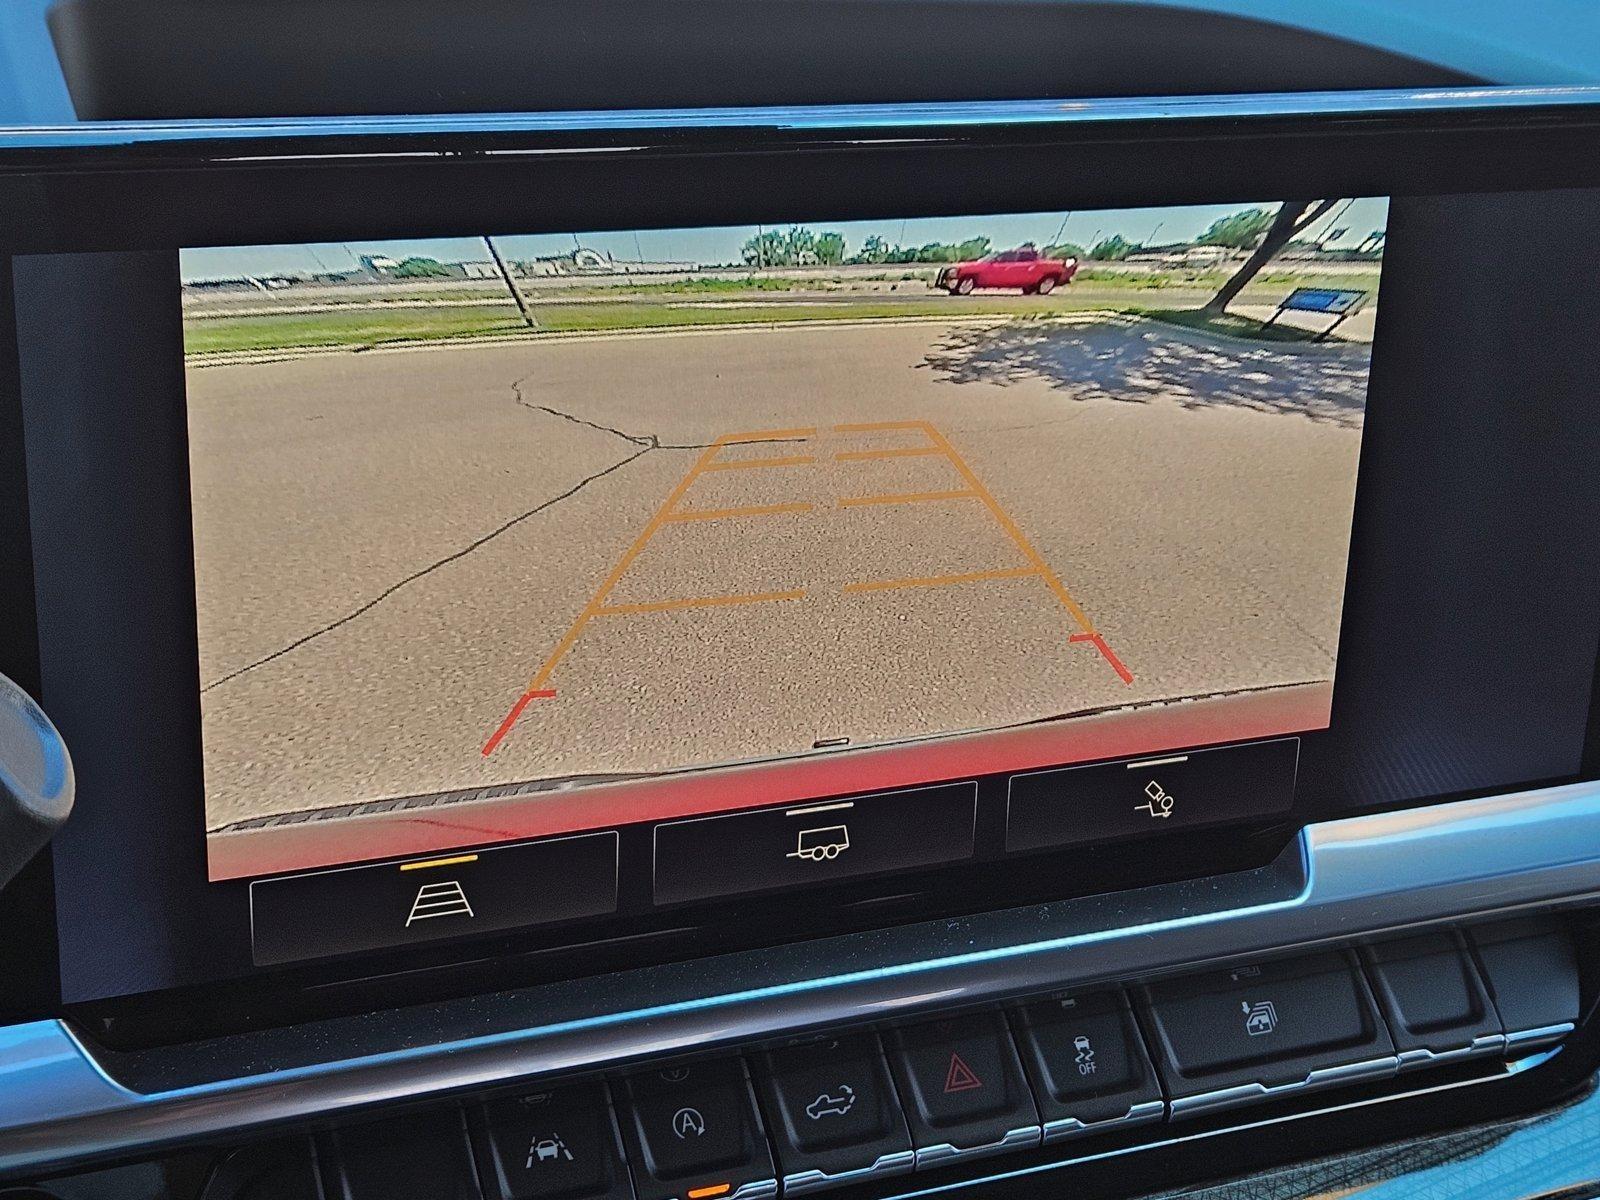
(1291, 219)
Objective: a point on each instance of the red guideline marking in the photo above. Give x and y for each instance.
(511, 717)
(1105, 652)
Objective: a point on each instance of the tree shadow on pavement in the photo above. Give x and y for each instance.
(1140, 362)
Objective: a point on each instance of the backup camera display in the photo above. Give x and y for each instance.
(498, 538)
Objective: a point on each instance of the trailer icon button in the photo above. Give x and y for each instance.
(760, 849)
(817, 844)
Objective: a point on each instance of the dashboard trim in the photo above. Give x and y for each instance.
(1363, 876)
(844, 118)
(1578, 1115)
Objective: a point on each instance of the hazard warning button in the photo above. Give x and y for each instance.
(964, 1086)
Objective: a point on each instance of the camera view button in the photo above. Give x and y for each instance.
(457, 894)
(1153, 795)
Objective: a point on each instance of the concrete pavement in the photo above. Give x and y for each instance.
(391, 547)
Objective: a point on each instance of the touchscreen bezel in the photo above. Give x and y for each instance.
(144, 195)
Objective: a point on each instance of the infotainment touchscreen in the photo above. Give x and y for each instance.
(509, 538)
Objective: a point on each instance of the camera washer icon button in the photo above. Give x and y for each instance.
(1267, 1019)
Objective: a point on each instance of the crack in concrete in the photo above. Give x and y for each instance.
(475, 544)
(651, 441)
(644, 443)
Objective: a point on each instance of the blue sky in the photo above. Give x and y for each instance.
(721, 244)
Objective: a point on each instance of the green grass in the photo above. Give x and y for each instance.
(370, 328)
(649, 306)
(701, 285)
(360, 328)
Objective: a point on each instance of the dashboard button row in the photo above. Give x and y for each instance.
(835, 1110)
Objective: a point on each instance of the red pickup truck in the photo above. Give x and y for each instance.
(1023, 268)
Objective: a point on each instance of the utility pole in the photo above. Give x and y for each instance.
(511, 284)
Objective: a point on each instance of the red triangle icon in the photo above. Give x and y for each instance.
(960, 1078)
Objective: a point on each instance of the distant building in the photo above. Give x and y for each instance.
(1180, 254)
(378, 265)
(585, 261)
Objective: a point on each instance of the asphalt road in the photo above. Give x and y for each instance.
(395, 547)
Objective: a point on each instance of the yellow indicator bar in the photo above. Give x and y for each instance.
(705, 1193)
(440, 862)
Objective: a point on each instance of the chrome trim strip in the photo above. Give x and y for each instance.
(1070, 1127)
(1322, 1077)
(1488, 1043)
(1583, 1112)
(944, 1152)
(1528, 1039)
(822, 118)
(1344, 879)
(897, 1163)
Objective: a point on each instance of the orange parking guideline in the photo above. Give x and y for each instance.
(907, 498)
(1010, 526)
(938, 445)
(754, 510)
(745, 464)
(900, 452)
(649, 606)
(885, 585)
(767, 435)
(597, 602)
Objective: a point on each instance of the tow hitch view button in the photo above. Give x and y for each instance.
(813, 843)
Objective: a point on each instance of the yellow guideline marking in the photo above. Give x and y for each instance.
(876, 426)
(703, 463)
(697, 602)
(440, 862)
(765, 435)
(754, 510)
(884, 585)
(903, 452)
(599, 598)
(907, 498)
(744, 464)
(1010, 526)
